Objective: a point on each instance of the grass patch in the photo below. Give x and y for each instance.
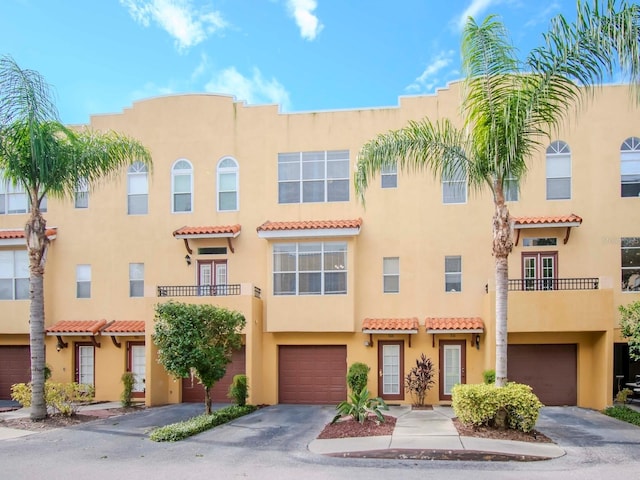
(623, 413)
(182, 430)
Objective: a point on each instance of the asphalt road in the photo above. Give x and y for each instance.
(272, 443)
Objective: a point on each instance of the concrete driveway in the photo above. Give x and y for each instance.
(272, 442)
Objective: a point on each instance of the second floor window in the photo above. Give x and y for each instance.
(454, 187)
(558, 171)
(389, 176)
(391, 275)
(82, 194)
(630, 262)
(181, 187)
(453, 273)
(83, 281)
(227, 185)
(14, 199)
(310, 268)
(511, 189)
(310, 177)
(136, 279)
(630, 167)
(137, 189)
(14, 275)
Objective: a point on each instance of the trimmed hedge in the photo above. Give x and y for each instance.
(201, 423)
(623, 413)
(481, 404)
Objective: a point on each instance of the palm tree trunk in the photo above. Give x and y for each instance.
(35, 234)
(502, 246)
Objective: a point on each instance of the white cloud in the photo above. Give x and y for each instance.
(302, 12)
(431, 76)
(253, 90)
(476, 7)
(187, 24)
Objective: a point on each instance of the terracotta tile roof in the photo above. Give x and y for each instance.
(87, 327)
(11, 234)
(572, 218)
(390, 324)
(125, 326)
(454, 323)
(209, 230)
(269, 226)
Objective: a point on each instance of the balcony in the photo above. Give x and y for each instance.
(526, 285)
(207, 290)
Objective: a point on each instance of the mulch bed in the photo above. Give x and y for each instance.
(61, 421)
(347, 427)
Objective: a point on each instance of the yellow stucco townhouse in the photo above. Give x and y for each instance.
(254, 210)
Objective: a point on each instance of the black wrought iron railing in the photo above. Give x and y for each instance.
(203, 290)
(527, 284)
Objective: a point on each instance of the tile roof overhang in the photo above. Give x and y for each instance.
(215, 231)
(310, 228)
(454, 325)
(390, 325)
(559, 221)
(10, 237)
(124, 328)
(76, 328)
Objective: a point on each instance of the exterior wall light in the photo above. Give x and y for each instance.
(187, 259)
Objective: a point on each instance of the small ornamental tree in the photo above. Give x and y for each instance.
(630, 327)
(198, 339)
(419, 380)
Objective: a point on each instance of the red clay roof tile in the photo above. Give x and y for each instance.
(571, 218)
(11, 234)
(390, 324)
(125, 326)
(454, 323)
(89, 327)
(208, 230)
(269, 226)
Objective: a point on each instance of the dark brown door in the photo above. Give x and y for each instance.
(391, 369)
(312, 374)
(550, 370)
(539, 270)
(15, 367)
(193, 391)
(453, 366)
(212, 277)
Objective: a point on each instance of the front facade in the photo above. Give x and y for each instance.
(254, 210)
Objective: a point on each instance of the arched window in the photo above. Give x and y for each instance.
(558, 171)
(630, 167)
(137, 189)
(227, 185)
(181, 186)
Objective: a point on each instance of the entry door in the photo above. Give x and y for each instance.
(212, 277)
(137, 367)
(539, 270)
(85, 363)
(205, 278)
(452, 366)
(391, 370)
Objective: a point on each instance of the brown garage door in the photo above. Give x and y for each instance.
(15, 367)
(551, 370)
(194, 391)
(312, 374)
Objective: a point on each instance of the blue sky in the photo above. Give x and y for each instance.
(305, 55)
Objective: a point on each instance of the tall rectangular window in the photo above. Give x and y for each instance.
(453, 273)
(630, 167)
(511, 189)
(391, 275)
(311, 177)
(83, 281)
(137, 189)
(558, 171)
(630, 261)
(14, 275)
(82, 194)
(136, 279)
(310, 268)
(389, 176)
(454, 187)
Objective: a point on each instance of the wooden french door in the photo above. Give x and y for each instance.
(212, 277)
(391, 370)
(136, 364)
(85, 363)
(453, 362)
(539, 270)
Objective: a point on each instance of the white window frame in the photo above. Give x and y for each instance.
(630, 275)
(389, 176)
(296, 169)
(511, 189)
(559, 153)
(181, 168)
(15, 194)
(224, 169)
(81, 199)
(136, 280)
(454, 188)
(630, 166)
(14, 267)
(138, 172)
(452, 273)
(83, 279)
(390, 272)
(325, 268)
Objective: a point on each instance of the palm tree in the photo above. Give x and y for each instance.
(44, 157)
(509, 108)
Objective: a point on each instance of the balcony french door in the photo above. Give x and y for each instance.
(539, 270)
(212, 277)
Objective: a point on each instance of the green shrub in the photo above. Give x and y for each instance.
(419, 380)
(483, 404)
(358, 376)
(489, 376)
(239, 390)
(201, 423)
(360, 406)
(622, 395)
(624, 413)
(63, 398)
(128, 380)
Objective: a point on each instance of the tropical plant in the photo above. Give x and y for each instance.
(358, 376)
(239, 390)
(198, 339)
(623, 395)
(630, 327)
(509, 108)
(489, 376)
(44, 157)
(419, 380)
(128, 381)
(360, 406)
